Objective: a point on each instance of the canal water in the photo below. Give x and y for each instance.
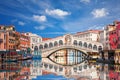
(45, 70)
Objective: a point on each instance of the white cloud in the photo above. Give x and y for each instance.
(97, 13)
(14, 20)
(39, 27)
(57, 12)
(39, 18)
(21, 23)
(85, 1)
(100, 27)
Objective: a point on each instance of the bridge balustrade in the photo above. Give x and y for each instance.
(69, 46)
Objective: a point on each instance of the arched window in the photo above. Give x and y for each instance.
(60, 69)
(80, 68)
(80, 43)
(94, 47)
(55, 43)
(36, 48)
(75, 69)
(41, 47)
(90, 46)
(75, 42)
(50, 45)
(60, 42)
(55, 67)
(50, 66)
(46, 45)
(100, 48)
(46, 65)
(85, 45)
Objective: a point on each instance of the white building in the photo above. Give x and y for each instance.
(103, 38)
(34, 40)
(91, 35)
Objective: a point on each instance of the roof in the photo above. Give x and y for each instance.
(89, 31)
(44, 39)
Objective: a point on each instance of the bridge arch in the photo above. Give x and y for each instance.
(55, 43)
(45, 45)
(90, 46)
(50, 45)
(94, 47)
(80, 43)
(60, 42)
(36, 48)
(75, 42)
(85, 44)
(67, 47)
(41, 46)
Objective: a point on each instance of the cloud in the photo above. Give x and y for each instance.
(57, 12)
(39, 18)
(14, 20)
(39, 27)
(100, 27)
(85, 1)
(97, 13)
(21, 23)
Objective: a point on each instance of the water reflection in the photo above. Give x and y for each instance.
(45, 70)
(68, 57)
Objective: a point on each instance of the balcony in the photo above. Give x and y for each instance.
(1, 40)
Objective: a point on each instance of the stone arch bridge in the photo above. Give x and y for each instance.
(67, 41)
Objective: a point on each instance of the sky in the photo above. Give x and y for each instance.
(51, 18)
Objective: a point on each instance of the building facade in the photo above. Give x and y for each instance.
(34, 40)
(108, 28)
(10, 39)
(2, 41)
(112, 35)
(8, 35)
(91, 35)
(24, 42)
(103, 38)
(118, 34)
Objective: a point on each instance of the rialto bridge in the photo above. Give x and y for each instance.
(67, 41)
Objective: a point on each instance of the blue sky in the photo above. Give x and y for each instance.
(51, 18)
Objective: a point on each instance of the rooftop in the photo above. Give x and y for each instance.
(89, 31)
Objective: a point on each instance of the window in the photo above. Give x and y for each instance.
(75, 42)
(41, 47)
(90, 46)
(94, 47)
(85, 45)
(55, 43)
(80, 43)
(60, 42)
(46, 45)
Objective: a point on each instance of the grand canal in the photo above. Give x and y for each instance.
(40, 70)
